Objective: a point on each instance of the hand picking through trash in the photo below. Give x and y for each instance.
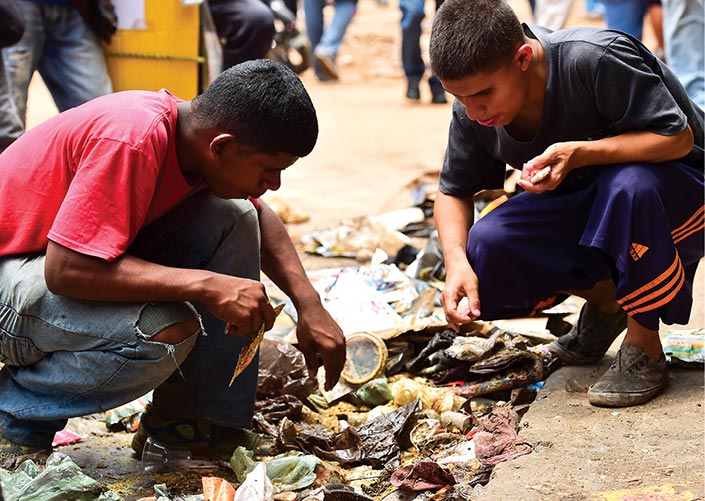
(247, 354)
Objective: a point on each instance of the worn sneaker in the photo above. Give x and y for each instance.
(196, 436)
(13, 454)
(326, 62)
(634, 378)
(589, 340)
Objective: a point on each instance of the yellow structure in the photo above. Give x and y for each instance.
(161, 53)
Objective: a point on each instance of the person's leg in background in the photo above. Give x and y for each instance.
(438, 93)
(411, 57)
(552, 14)
(10, 123)
(654, 12)
(594, 9)
(412, 14)
(72, 63)
(246, 28)
(626, 16)
(62, 47)
(684, 31)
(326, 51)
(22, 58)
(313, 14)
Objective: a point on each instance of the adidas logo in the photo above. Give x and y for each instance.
(636, 251)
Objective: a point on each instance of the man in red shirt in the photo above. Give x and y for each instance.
(131, 234)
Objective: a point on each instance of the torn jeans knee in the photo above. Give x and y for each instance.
(155, 317)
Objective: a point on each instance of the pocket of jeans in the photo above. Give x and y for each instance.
(18, 351)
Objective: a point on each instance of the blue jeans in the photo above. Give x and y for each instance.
(69, 57)
(412, 14)
(10, 123)
(329, 40)
(66, 357)
(684, 34)
(626, 15)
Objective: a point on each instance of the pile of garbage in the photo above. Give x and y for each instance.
(420, 412)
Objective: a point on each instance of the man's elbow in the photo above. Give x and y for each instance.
(685, 143)
(60, 273)
(56, 279)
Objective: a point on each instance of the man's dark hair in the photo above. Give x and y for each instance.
(473, 36)
(264, 105)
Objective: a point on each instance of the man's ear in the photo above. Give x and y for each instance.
(523, 55)
(219, 142)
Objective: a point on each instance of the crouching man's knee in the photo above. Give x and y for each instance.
(170, 323)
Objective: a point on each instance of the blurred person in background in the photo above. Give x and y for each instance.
(325, 42)
(684, 35)
(11, 29)
(64, 47)
(412, 15)
(245, 28)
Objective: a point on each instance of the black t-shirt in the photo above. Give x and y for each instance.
(599, 83)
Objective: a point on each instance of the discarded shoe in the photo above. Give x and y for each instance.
(633, 379)
(326, 62)
(196, 436)
(412, 88)
(590, 339)
(13, 454)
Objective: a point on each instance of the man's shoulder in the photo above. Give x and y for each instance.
(576, 41)
(127, 116)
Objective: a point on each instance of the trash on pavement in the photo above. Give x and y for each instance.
(366, 358)
(127, 416)
(65, 437)
(422, 476)
(256, 487)
(217, 489)
(59, 480)
(282, 371)
(685, 347)
(290, 471)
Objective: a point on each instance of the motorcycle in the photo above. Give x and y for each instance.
(290, 46)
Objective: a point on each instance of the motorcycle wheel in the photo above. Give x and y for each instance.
(293, 52)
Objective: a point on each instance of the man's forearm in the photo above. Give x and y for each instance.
(453, 216)
(638, 146)
(280, 261)
(127, 279)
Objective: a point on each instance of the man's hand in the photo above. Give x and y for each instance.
(241, 302)
(557, 158)
(320, 338)
(461, 283)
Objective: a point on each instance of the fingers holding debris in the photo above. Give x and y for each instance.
(541, 175)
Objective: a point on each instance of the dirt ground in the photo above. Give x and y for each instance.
(373, 143)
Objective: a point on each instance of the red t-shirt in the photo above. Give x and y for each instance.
(91, 177)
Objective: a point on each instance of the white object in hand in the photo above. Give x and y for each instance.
(541, 175)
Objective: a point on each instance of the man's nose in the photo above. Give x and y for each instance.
(473, 110)
(274, 182)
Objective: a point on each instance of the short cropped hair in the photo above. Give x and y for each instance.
(473, 36)
(264, 105)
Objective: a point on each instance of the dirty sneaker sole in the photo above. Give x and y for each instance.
(623, 399)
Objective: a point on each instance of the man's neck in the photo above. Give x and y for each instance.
(526, 123)
(185, 144)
